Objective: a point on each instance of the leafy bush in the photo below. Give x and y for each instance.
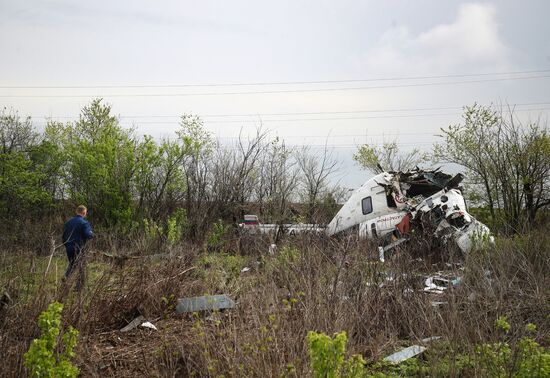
(42, 359)
(327, 357)
(215, 238)
(526, 359)
(175, 226)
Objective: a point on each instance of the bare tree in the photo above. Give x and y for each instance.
(315, 169)
(277, 180)
(235, 172)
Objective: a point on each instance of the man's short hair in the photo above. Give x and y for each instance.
(81, 209)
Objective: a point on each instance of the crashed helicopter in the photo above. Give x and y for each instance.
(392, 204)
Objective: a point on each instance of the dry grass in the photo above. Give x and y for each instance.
(312, 283)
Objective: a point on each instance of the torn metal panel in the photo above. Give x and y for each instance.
(204, 303)
(133, 324)
(405, 354)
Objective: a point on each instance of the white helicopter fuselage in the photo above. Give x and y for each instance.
(368, 205)
(375, 212)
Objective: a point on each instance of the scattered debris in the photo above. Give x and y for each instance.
(272, 249)
(432, 285)
(245, 269)
(437, 284)
(139, 321)
(405, 354)
(207, 302)
(149, 325)
(133, 324)
(437, 304)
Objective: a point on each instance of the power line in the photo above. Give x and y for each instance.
(330, 118)
(269, 83)
(316, 119)
(302, 119)
(279, 91)
(300, 113)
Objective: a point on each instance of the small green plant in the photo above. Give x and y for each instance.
(288, 255)
(327, 357)
(151, 229)
(502, 324)
(42, 359)
(169, 303)
(175, 225)
(215, 238)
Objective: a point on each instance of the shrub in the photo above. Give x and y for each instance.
(215, 238)
(175, 225)
(327, 357)
(42, 359)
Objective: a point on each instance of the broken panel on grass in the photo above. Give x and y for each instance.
(204, 303)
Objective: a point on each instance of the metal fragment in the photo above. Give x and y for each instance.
(133, 324)
(405, 354)
(204, 303)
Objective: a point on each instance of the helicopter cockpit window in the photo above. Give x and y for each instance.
(366, 204)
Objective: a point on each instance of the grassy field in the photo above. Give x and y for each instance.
(310, 284)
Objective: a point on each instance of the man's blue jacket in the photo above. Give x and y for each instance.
(76, 231)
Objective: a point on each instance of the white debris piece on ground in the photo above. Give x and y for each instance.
(272, 249)
(437, 284)
(432, 286)
(437, 304)
(245, 269)
(381, 254)
(149, 325)
(133, 324)
(405, 354)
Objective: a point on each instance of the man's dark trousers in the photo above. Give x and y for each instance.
(76, 261)
(75, 234)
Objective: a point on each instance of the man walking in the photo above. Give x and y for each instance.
(76, 232)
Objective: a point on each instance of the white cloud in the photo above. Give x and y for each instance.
(470, 43)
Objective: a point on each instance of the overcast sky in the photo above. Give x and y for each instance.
(128, 46)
